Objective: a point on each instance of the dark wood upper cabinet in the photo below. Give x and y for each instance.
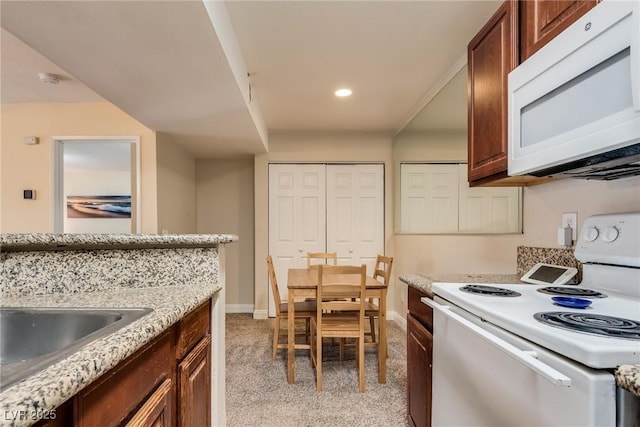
(542, 20)
(492, 54)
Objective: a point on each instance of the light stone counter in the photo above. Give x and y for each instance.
(628, 377)
(172, 274)
(52, 386)
(423, 282)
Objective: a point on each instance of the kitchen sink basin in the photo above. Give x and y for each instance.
(33, 338)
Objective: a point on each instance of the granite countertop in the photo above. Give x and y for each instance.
(627, 376)
(57, 242)
(423, 282)
(52, 386)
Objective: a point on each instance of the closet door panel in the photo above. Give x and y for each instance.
(296, 218)
(355, 212)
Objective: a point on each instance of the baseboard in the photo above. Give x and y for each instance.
(399, 320)
(238, 308)
(260, 314)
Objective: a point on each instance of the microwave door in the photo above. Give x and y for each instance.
(577, 97)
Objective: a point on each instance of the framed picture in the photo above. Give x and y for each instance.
(99, 206)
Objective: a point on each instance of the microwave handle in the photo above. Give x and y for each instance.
(524, 357)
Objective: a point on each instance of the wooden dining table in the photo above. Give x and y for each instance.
(303, 283)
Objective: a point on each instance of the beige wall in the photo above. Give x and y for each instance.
(30, 166)
(176, 187)
(314, 147)
(225, 205)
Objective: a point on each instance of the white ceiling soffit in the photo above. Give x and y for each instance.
(159, 61)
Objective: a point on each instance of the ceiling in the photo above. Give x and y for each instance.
(218, 77)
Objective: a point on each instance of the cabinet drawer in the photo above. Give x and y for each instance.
(422, 312)
(192, 328)
(113, 397)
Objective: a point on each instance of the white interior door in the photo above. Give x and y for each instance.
(355, 213)
(296, 218)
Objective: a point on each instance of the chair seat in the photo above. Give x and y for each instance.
(343, 324)
(300, 307)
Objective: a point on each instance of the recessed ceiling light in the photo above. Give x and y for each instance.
(343, 92)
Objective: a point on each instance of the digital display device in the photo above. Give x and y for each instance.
(549, 274)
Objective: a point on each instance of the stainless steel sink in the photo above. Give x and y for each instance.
(33, 338)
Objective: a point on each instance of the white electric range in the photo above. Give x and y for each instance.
(508, 355)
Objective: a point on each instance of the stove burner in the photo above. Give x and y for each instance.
(573, 292)
(594, 324)
(491, 291)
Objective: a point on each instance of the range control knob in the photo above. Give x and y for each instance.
(591, 234)
(610, 234)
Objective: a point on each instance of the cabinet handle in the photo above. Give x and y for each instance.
(524, 357)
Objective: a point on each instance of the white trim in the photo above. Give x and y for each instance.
(218, 348)
(239, 308)
(401, 321)
(58, 170)
(260, 314)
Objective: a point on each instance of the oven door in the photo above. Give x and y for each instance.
(485, 376)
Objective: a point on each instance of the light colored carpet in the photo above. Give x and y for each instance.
(258, 393)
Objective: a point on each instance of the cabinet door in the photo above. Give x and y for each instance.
(156, 410)
(355, 213)
(492, 54)
(194, 384)
(419, 365)
(542, 20)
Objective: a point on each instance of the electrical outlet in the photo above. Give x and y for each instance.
(570, 219)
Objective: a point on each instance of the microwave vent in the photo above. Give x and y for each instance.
(616, 164)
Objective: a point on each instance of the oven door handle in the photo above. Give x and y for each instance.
(525, 358)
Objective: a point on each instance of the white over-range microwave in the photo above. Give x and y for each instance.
(574, 106)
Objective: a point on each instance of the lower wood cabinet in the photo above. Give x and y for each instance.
(194, 383)
(164, 384)
(419, 360)
(156, 410)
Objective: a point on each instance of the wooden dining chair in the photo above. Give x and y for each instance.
(381, 272)
(303, 310)
(324, 256)
(338, 315)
